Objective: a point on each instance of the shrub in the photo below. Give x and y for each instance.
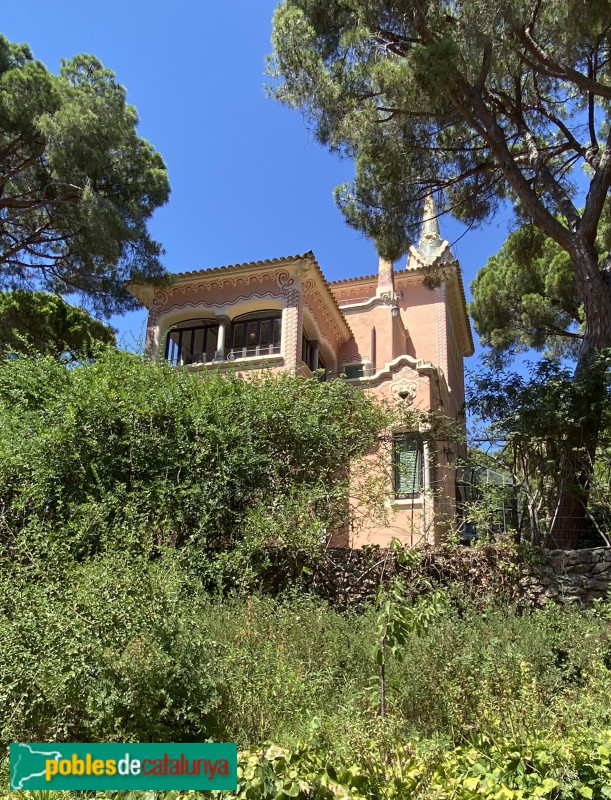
(125, 454)
(110, 650)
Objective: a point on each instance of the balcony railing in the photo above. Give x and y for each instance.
(230, 355)
(253, 352)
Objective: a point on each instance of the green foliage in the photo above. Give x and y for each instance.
(528, 420)
(491, 504)
(507, 768)
(123, 454)
(78, 184)
(462, 98)
(109, 650)
(303, 772)
(485, 705)
(526, 297)
(400, 616)
(516, 768)
(49, 325)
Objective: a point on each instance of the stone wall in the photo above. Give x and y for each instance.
(527, 577)
(571, 576)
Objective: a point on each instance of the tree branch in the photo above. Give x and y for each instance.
(557, 70)
(597, 194)
(473, 107)
(4, 179)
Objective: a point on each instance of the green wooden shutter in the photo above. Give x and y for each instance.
(408, 464)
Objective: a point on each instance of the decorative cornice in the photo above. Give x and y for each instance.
(319, 308)
(268, 262)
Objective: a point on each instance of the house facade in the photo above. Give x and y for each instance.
(400, 334)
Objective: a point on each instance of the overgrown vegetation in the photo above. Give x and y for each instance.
(112, 651)
(45, 323)
(137, 503)
(521, 423)
(125, 456)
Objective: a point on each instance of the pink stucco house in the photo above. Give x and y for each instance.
(400, 334)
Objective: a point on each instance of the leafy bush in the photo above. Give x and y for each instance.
(109, 650)
(508, 768)
(505, 769)
(125, 454)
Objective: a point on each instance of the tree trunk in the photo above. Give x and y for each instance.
(580, 437)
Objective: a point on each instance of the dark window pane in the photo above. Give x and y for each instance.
(257, 334)
(172, 347)
(353, 371)
(186, 350)
(251, 334)
(211, 342)
(239, 332)
(199, 337)
(265, 336)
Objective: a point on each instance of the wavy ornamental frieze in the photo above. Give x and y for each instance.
(163, 297)
(358, 291)
(235, 301)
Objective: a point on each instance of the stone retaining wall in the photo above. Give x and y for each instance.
(530, 578)
(571, 575)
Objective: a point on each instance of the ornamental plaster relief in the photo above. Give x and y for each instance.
(404, 386)
(363, 292)
(224, 290)
(222, 307)
(292, 323)
(441, 325)
(321, 312)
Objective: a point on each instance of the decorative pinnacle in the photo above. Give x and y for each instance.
(430, 228)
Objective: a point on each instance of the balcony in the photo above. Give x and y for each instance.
(197, 342)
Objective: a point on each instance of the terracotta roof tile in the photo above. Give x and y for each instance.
(268, 262)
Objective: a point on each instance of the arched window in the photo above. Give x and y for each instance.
(256, 334)
(193, 341)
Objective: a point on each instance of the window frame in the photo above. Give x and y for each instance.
(307, 347)
(181, 328)
(258, 318)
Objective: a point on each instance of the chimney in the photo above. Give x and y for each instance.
(386, 283)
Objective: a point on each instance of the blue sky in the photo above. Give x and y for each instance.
(248, 180)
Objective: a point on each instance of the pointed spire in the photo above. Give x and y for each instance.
(431, 245)
(430, 227)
